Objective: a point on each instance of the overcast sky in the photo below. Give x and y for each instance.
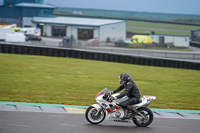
(163, 6)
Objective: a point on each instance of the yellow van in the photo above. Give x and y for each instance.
(140, 40)
(16, 29)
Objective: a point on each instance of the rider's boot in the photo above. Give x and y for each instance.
(133, 110)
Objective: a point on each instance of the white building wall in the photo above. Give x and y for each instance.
(169, 39)
(73, 31)
(69, 30)
(48, 30)
(113, 31)
(155, 38)
(116, 30)
(96, 32)
(181, 41)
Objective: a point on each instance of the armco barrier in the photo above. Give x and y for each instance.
(154, 53)
(97, 55)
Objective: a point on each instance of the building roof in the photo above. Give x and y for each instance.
(34, 5)
(76, 21)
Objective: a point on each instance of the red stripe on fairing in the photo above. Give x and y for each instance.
(117, 107)
(99, 94)
(110, 110)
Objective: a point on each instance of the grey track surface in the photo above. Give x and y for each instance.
(62, 110)
(43, 122)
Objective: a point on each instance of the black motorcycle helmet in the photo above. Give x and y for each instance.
(123, 78)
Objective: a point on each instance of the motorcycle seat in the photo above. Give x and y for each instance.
(138, 102)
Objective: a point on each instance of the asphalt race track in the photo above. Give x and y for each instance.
(43, 122)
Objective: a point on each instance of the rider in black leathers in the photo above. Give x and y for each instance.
(131, 91)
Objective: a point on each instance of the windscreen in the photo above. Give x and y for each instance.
(104, 90)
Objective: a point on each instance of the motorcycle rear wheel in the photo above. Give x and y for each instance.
(144, 122)
(91, 116)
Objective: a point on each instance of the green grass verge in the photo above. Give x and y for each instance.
(162, 26)
(68, 81)
(157, 32)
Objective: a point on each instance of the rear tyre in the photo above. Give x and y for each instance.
(147, 120)
(94, 118)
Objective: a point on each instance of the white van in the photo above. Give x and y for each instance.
(31, 31)
(15, 37)
(4, 32)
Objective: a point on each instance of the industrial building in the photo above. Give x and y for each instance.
(34, 13)
(14, 11)
(81, 28)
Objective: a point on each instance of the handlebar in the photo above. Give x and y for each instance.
(107, 97)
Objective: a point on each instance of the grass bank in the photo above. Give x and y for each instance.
(161, 26)
(157, 32)
(54, 80)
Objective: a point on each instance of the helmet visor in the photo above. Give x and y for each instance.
(120, 80)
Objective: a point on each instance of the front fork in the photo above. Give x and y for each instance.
(98, 107)
(98, 112)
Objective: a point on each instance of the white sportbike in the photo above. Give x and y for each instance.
(110, 110)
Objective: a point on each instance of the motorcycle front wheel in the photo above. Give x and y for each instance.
(93, 116)
(146, 118)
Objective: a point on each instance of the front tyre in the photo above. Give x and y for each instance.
(147, 118)
(92, 116)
